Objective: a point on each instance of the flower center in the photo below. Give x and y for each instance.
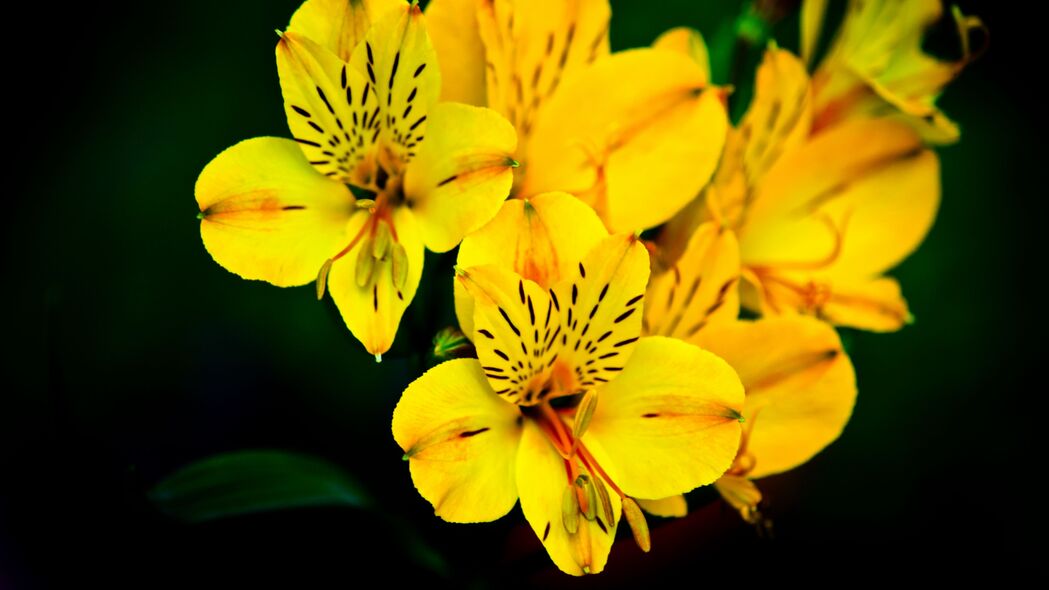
(377, 237)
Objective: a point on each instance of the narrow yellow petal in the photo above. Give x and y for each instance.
(330, 109)
(670, 422)
(460, 441)
(670, 507)
(373, 311)
(799, 382)
(339, 25)
(601, 307)
(515, 323)
(266, 214)
(462, 173)
(687, 41)
(700, 289)
(541, 239)
(452, 25)
(812, 13)
(541, 483)
(399, 65)
(533, 47)
(779, 118)
(634, 135)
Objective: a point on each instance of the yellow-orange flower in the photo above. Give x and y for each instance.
(635, 134)
(361, 101)
(597, 415)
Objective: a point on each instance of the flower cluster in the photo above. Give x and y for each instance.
(613, 225)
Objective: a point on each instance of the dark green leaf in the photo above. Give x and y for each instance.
(254, 481)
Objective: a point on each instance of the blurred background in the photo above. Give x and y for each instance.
(132, 354)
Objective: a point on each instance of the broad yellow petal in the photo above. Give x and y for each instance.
(687, 41)
(372, 301)
(462, 173)
(541, 239)
(339, 25)
(452, 25)
(399, 64)
(670, 422)
(788, 224)
(780, 116)
(460, 441)
(541, 483)
(700, 289)
(634, 135)
(515, 329)
(533, 47)
(268, 215)
(673, 506)
(884, 216)
(601, 306)
(331, 111)
(799, 383)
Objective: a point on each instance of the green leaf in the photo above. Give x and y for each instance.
(254, 481)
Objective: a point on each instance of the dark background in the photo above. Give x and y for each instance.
(131, 353)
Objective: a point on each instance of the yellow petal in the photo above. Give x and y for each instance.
(339, 25)
(541, 239)
(601, 306)
(687, 41)
(373, 311)
(741, 494)
(515, 325)
(533, 47)
(331, 111)
(780, 116)
(874, 304)
(799, 382)
(399, 64)
(885, 215)
(812, 13)
(453, 30)
(541, 483)
(268, 215)
(669, 422)
(673, 506)
(700, 289)
(634, 134)
(460, 441)
(787, 223)
(877, 63)
(461, 174)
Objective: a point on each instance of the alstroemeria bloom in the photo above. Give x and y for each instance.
(799, 383)
(282, 210)
(876, 67)
(634, 134)
(819, 219)
(568, 409)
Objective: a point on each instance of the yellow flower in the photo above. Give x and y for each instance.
(599, 416)
(819, 218)
(363, 111)
(635, 135)
(799, 382)
(876, 65)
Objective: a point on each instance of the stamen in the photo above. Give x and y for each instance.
(638, 525)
